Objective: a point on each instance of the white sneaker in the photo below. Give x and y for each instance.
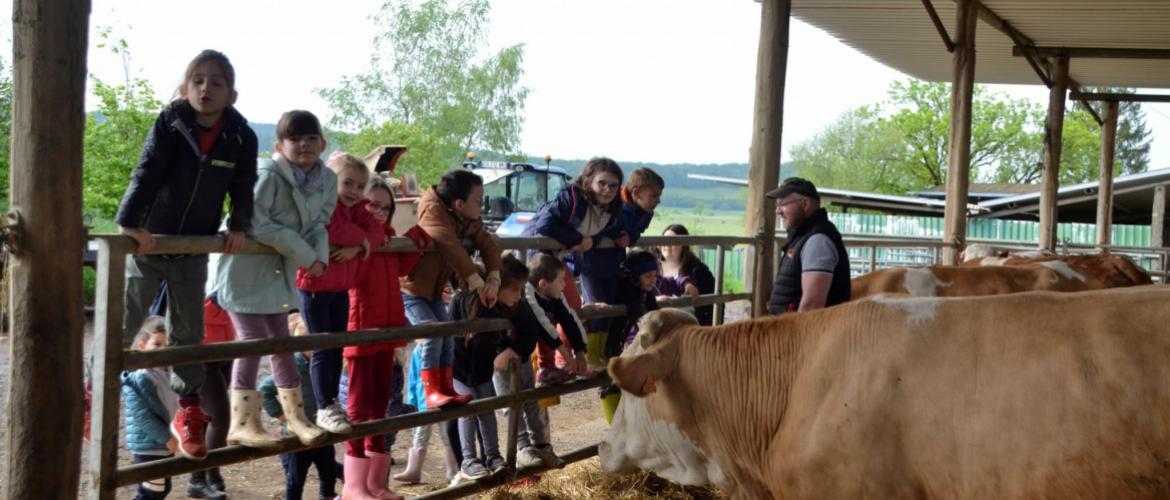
(548, 457)
(528, 458)
(333, 419)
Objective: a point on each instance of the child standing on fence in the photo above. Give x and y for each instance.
(324, 299)
(296, 464)
(199, 151)
(375, 302)
(449, 212)
(295, 196)
(635, 290)
(579, 218)
(149, 406)
(528, 330)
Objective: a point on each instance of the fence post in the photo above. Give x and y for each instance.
(513, 414)
(873, 249)
(107, 365)
(718, 319)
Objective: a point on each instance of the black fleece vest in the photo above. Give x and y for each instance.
(786, 291)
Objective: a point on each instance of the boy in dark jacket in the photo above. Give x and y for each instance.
(635, 290)
(485, 357)
(545, 295)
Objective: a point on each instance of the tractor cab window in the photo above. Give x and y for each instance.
(529, 191)
(497, 190)
(555, 184)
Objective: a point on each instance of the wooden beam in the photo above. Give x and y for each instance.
(43, 445)
(1094, 52)
(938, 25)
(1105, 194)
(1105, 96)
(959, 164)
(767, 127)
(1053, 128)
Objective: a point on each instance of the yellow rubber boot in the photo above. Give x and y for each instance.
(609, 404)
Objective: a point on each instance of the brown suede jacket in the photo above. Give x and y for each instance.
(447, 228)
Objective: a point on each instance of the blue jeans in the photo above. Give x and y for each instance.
(596, 290)
(296, 469)
(436, 352)
(325, 312)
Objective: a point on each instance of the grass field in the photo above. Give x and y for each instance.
(709, 223)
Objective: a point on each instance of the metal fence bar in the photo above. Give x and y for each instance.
(719, 251)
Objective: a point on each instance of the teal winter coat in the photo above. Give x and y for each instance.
(289, 221)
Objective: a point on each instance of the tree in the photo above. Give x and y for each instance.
(114, 134)
(424, 157)
(1133, 138)
(423, 73)
(903, 144)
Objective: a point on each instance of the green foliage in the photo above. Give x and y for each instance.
(114, 134)
(5, 126)
(424, 73)
(902, 144)
(113, 141)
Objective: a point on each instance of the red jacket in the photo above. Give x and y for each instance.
(348, 227)
(376, 300)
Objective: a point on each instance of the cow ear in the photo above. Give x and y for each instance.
(654, 324)
(638, 375)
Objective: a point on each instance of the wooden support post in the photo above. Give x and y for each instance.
(107, 366)
(45, 408)
(1053, 128)
(1105, 193)
(768, 123)
(959, 164)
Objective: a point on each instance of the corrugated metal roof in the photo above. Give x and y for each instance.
(899, 33)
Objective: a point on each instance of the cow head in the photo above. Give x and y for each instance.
(647, 429)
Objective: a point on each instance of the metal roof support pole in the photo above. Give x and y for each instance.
(1158, 223)
(767, 126)
(1105, 193)
(959, 158)
(1053, 127)
(50, 39)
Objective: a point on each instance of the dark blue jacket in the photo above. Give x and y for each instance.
(176, 190)
(633, 221)
(558, 219)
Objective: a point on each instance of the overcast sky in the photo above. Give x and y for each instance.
(645, 80)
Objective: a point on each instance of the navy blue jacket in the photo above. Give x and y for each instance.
(633, 221)
(176, 190)
(558, 219)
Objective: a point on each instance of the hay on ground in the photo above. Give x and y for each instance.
(586, 480)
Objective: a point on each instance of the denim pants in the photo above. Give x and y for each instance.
(531, 431)
(296, 469)
(185, 276)
(485, 422)
(436, 352)
(325, 312)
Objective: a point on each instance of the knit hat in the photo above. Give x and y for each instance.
(640, 262)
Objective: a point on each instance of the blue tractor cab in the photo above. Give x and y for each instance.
(513, 192)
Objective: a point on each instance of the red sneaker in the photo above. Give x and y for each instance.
(187, 428)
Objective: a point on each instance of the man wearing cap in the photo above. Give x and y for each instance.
(814, 266)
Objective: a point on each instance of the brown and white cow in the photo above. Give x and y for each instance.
(1112, 269)
(963, 281)
(1036, 395)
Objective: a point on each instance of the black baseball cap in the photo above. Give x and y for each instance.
(795, 185)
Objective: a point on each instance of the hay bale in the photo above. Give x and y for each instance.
(586, 480)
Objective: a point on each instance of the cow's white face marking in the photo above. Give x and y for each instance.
(993, 261)
(921, 282)
(977, 250)
(917, 309)
(1064, 270)
(636, 440)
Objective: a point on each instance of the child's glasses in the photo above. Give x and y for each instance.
(604, 184)
(378, 207)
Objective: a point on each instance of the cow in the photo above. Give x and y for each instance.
(1112, 269)
(961, 281)
(1035, 395)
